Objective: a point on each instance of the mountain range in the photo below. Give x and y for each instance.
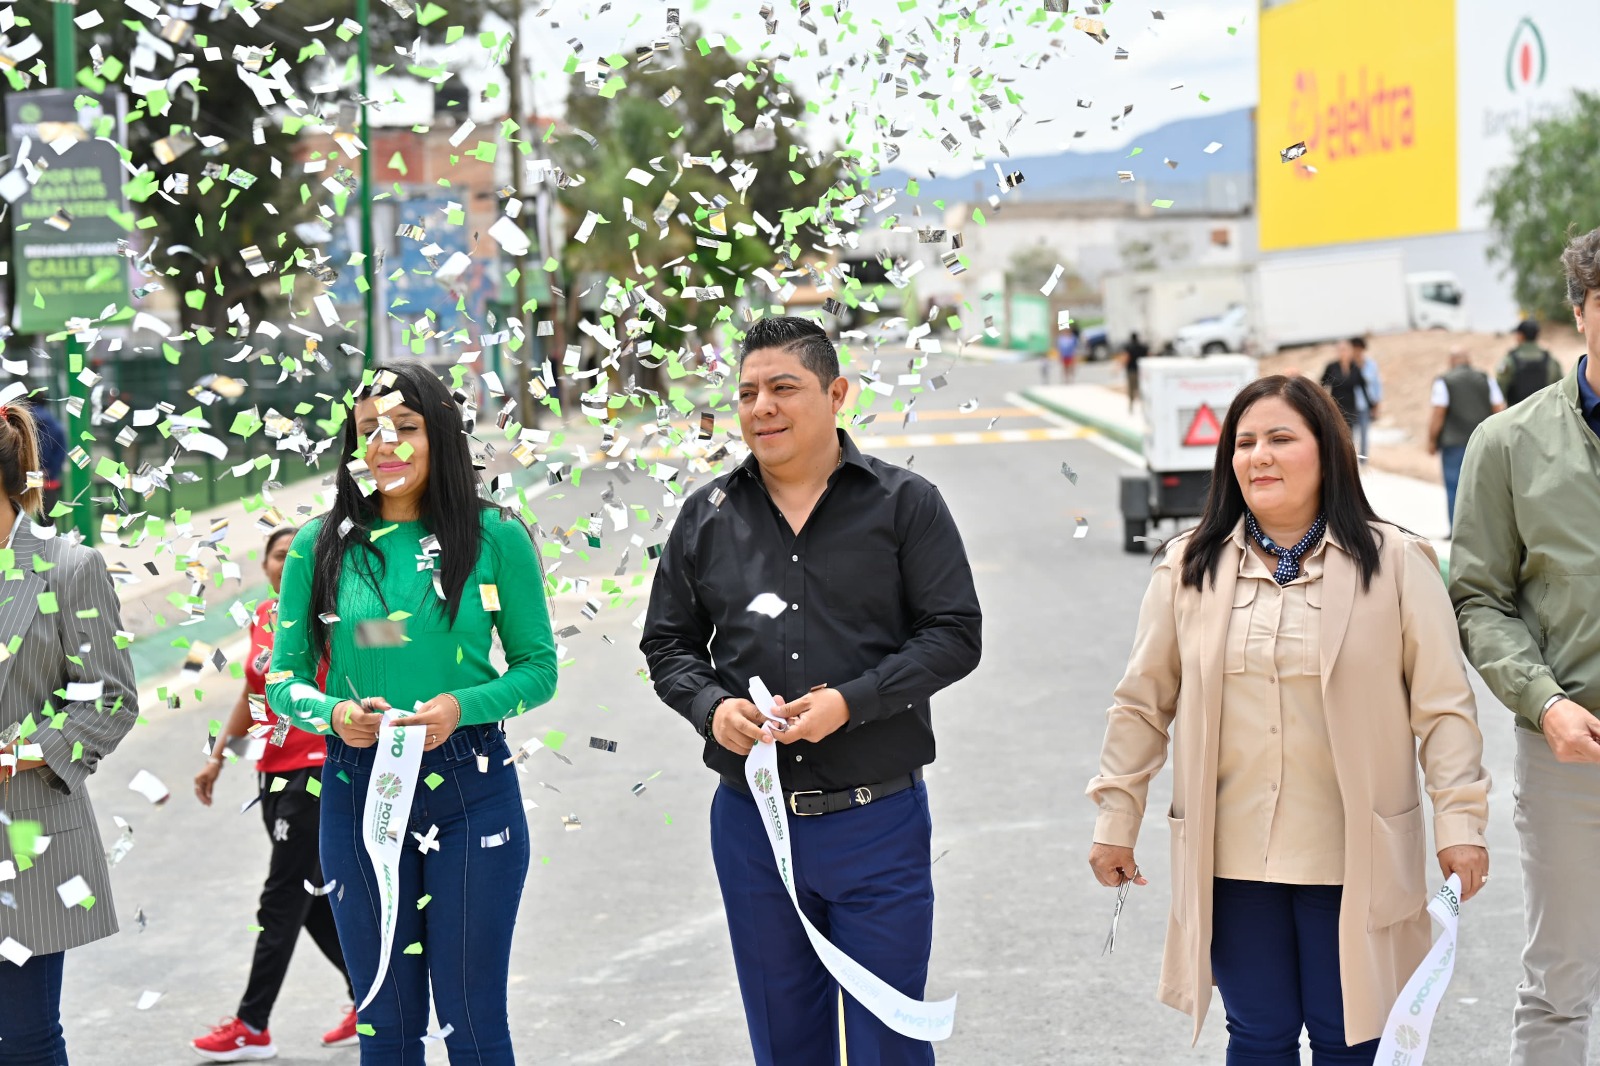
(1093, 175)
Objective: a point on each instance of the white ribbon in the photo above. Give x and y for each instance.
(1405, 1034)
(383, 825)
(906, 1016)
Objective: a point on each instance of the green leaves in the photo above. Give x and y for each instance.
(1551, 185)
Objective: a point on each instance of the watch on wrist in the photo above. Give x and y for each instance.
(1549, 703)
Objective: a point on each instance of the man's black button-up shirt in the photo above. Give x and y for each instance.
(878, 603)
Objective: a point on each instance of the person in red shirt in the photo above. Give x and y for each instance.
(290, 776)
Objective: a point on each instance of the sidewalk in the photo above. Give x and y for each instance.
(1417, 505)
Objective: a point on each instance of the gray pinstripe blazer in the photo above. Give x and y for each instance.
(73, 736)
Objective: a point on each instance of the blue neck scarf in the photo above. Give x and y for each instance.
(1288, 558)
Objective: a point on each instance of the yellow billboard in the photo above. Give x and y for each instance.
(1370, 87)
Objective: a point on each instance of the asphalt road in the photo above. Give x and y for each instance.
(621, 953)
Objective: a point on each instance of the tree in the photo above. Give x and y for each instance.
(1551, 185)
(703, 106)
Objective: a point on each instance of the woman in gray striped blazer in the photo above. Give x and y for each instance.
(66, 699)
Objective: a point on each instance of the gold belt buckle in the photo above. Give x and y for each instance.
(793, 807)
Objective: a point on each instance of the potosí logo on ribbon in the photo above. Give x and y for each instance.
(906, 1016)
(1406, 1033)
(388, 807)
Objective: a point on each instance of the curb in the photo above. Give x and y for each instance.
(1135, 443)
(1124, 436)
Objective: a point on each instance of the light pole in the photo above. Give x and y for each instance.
(368, 266)
(75, 481)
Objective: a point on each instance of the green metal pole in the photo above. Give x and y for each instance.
(368, 266)
(74, 482)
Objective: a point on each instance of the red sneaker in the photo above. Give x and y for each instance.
(232, 1042)
(344, 1034)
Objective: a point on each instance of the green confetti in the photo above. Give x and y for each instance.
(1160, 203)
(47, 603)
(433, 781)
(424, 901)
(413, 949)
(554, 739)
(314, 786)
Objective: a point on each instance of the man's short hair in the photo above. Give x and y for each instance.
(1582, 260)
(1358, 343)
(800, 336)
(1529, 329)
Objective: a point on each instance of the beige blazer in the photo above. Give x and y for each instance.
(1395, 690)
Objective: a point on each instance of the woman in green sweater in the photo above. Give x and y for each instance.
(403, 584)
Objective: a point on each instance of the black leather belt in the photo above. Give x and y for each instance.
(811, 803)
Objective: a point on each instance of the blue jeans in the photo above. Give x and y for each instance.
(1363, 430)
(473, 881)
(1450, 457)
(865, 880)
(30, 1012)
(1275, 957)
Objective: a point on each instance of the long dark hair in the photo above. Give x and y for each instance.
(1344, 501)
(451, 506)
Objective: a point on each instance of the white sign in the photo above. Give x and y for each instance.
(1514, 63)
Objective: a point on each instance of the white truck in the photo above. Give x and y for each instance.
(1156, 304)
(1307, 299)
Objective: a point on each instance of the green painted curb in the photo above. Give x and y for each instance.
(1121, 434)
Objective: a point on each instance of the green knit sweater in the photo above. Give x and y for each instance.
(432, 657)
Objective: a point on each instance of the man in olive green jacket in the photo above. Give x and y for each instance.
(1525, 580)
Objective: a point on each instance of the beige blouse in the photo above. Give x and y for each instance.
(1279, 813)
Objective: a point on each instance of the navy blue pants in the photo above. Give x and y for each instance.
(473, 881)
(1275, 958)
(30, 1012)
(865, 880)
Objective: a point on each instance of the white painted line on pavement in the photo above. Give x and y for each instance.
(1099, 440)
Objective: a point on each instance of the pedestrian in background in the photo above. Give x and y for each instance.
(1527, 368)
(881, 614)
(52, 452)
(69, 683)
(1525, 583)
(1305, 652)
(425, 542)
(1368, 397)
(1132, 354)
(1067, 350)
(289, 779)
(1462, 397)
(1346, 380)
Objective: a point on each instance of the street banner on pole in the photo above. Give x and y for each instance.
(65, 247)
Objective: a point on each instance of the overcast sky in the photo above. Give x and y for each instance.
(1191, 45)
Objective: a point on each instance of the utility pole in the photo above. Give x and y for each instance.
(75, 482)
(369, 269)
(519, 170)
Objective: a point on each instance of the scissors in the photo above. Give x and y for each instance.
(1122, 898)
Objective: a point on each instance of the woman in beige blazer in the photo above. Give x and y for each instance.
(1303, 683)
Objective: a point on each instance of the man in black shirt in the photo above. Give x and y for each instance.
(841, 581)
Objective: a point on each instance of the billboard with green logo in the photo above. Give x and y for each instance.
(66, 196)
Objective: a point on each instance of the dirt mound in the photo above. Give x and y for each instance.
(1407, 365)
